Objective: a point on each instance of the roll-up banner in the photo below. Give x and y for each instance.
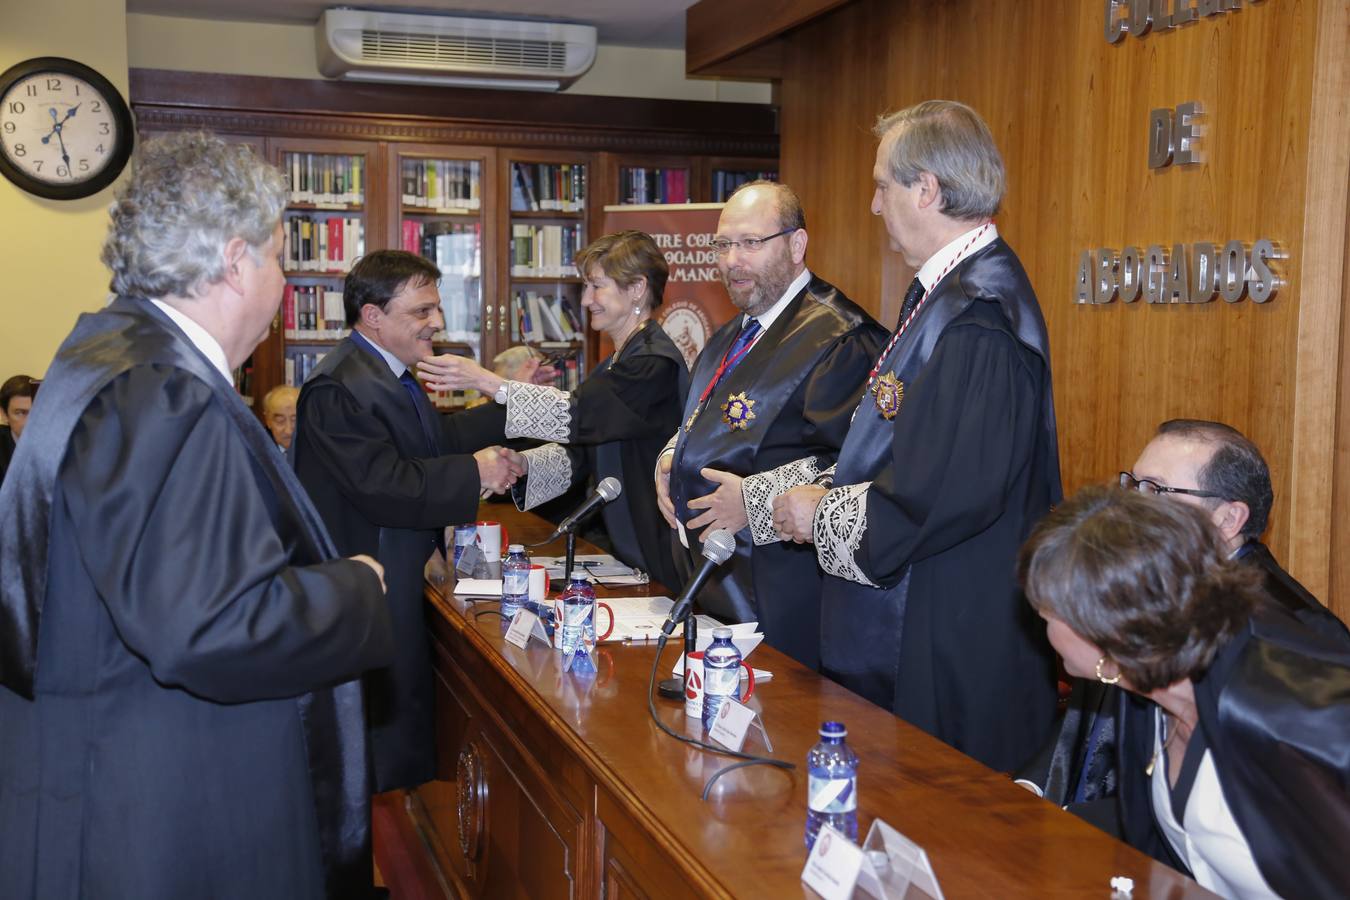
(695, 303)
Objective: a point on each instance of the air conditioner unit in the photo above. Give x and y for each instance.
(452, 50)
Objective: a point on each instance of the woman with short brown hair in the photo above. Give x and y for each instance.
(1234, 736)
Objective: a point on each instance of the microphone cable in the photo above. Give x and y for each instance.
(746, 759)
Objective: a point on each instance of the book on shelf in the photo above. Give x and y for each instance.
(324, 179)
(639, 184)
(323, 243)
(312, 313)
(300, 364)
(457, 250)
(544, 251)
(441, 184)
(725, 181)
(548, 187)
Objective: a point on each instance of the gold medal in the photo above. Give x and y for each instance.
(889, 391)
(738, 411)
(689, 425)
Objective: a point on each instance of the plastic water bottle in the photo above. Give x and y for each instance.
(578, 609)
(721, 673)
(515, 580)
(831, 785)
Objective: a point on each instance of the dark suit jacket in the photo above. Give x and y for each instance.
(361, 453)
(6, 450)
(188, 735)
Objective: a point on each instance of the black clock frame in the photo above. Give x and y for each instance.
(117, 105)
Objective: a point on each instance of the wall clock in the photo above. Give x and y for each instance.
(65, 131)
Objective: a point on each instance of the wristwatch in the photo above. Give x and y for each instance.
(500, 396)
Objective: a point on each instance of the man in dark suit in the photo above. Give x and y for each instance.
(1214, 466)
(388, 473)
(16, 399)
(179, 642)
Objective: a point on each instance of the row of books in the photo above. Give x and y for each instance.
(455, 247)
(441, 184)
(319, 244)
(725, 182)
(544, 318)
(312, 313)
(547, 186)
(544, 251)
(642, 185)
(568, 374)
(300, 364)
(324, 179)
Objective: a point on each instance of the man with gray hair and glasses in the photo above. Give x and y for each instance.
(178, 641)
(950, 461)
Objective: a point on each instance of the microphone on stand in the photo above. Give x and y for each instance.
(717, 549)
(606, 491)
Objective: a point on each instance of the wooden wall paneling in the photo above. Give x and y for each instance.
(1070, 113)
(833, 100)
(1322, 294)
(716, 31)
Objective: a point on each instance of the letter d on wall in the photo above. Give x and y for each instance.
(1159, 138)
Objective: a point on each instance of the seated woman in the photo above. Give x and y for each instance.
(1234, 722)
(620, 417)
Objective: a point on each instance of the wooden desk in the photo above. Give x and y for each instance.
(560, 786)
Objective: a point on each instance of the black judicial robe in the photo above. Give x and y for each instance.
(6, 450)
(1274, 708)
(190, 733)
(803, 375)
(360, 452)
(932, 506)
(618, 421)
(1079, 769)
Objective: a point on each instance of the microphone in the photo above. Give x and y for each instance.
(606, 491)
(717, 549)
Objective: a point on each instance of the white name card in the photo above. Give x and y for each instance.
(834, 864)
(732, 722)
(525, 625)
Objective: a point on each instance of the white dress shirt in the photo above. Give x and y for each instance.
(200, 338)
(949, 255)
(1208, 838)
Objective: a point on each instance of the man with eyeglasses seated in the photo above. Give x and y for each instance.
(775, 384)
(1215, 467)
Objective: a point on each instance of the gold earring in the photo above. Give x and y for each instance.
(1102, 678)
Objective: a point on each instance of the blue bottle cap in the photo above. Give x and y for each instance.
(833, 729)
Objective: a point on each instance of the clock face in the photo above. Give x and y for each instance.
(64, 133)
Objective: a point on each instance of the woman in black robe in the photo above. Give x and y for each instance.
(1234, 719)
(618, 420)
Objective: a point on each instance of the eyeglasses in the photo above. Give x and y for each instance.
(749, 245)
(1143, 486)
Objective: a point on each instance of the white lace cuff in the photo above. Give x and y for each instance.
(841, 519)
(549, 476)
(538, 411)
(759, 491)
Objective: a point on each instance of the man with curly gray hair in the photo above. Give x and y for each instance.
(178, 640)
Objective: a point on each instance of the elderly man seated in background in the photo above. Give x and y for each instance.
(1233, 718)
(279, 414)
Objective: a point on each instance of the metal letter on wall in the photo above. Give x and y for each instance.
(1129, 274)
(1185, 132)
(1264, 283)
(1159, 138)
(1205, 276)
(1115, 25)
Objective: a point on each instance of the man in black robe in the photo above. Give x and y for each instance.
(774, 384)
(178, 640)
(1214, 466)
(949, 462)
(387, 474)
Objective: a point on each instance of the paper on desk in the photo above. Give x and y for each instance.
(478, 587)
(744, 636)
(597, 565)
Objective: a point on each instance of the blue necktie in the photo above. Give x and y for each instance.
(743, 340)
(420, 403)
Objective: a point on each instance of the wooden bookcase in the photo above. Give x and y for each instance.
(441, 135)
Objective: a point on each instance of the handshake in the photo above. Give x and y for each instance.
(499, 468)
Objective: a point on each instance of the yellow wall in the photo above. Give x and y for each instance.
(49, 248)
(287, 51)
